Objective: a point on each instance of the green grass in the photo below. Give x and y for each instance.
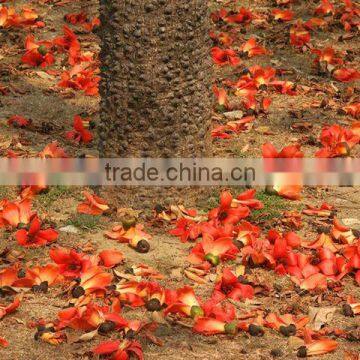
(274, 206)
(4, 192)
(53, 194)
(85, 222)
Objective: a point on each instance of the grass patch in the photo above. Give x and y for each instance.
(53, 194)
(4, 192)
(85, 222)
(274, 206)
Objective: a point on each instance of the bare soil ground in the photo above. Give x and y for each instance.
(34, 94)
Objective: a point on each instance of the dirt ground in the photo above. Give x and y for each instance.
(33, 93)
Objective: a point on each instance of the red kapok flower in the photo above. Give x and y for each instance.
(15, 213)
(228, 212)
(111, 258)
(224, 57)
(213, 251)
(18, 121)
(184, 302)
(79, 134)
(35, 236)
(37, 53)
(94, 205)
(119, 350)
(71, 263)
(251, 48)
(283, 15)
(346, 74)
(8, 309)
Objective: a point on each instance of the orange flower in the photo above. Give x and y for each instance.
(299, 36)
(185, 303)
(92, 316)
(93, 279)
(213, 251)
(243, 16)
(40, 276)
(318, 347)
(8, 276)
(70, 262)
(337, 141)
(275, 321)
(251, 48)
(325, 8)
(221, 95)
(16, 213)
(116, 349)
(18, 121)
(111, 258)
(134, 236)
(79, 134)
(283, 15)
(346, 74)
(53, 150)
(224, 57)
(35, 236)
(93, 205)
(81, 79)
(8, 309)
(37, 53)
(327, 55)
(354, 110)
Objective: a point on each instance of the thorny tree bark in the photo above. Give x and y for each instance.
(156, 70)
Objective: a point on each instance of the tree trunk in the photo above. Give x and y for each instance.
(156, 70)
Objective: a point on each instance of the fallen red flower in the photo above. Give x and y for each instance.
(92, 280)
(213, 251)
(318, 347)
(229, 285)
(18, 121)
(39, 275)
(94, 205)
(325, 210)
(186, 230)
(111, 258)
(275, 321)
(221, 95)
(70, 262)
(346, 74)
(27, 17)
(325, 8)
(119, 350)
(299, 36)
(224, 57)
(52, 150)
(81, 79)
(91, 317)
(337, 141)
(283, 15)
(228, 212)
(251, 48)
(14, 213)
(8, 309)
(3, 342)
(35, 236)
(353, 110)
(8, 276)
(290, 151)
(37, 53)
(327, 55)
(69, 43)
(243, 16)
(184, 302)
(79, 134)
